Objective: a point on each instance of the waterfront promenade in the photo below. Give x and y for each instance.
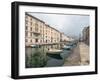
(78, 56)
(84, 54)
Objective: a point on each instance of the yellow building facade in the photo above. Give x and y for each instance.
(37, 32)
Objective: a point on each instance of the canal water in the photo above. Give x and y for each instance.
(38, 57)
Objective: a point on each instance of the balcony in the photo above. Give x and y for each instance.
(36, 33)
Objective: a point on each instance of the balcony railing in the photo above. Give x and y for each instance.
(37, 33)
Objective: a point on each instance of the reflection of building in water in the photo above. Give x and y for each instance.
(86, 35)
(38, 32)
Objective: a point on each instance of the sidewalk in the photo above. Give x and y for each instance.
(79, 56)
(84, 53)
(74, 58)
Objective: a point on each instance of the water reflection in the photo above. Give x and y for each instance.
(38, 57)
(55, 56)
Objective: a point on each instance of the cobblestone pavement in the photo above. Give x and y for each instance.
(74, 58)
(79, 56)
(84, 53)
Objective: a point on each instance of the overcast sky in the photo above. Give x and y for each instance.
(71, 25)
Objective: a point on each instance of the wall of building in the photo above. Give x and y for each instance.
(86, 36)
(37, 32)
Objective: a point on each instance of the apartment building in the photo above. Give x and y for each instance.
(38, 32)
(34, 30)
(86, 35)
(64, 38)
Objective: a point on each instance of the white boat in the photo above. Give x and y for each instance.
(34, 46)
(54, 51)
(67, 47)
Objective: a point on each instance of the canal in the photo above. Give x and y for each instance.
(38, 57)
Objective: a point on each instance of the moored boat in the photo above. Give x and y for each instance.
(54, 51)
(67, 47)
(34, 46)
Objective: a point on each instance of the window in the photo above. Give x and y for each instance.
(41, 31)
(36, 40)
(26, 22)
(46, 41)
(26, 28)
(31, 34)
(31, 28)
(36, 27)
(31, 40)
(41, 41)
(31, 23)
(26, 34)
(26, 40)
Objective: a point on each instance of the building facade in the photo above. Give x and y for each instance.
(34, 30)
(38, 32)
(86, 35)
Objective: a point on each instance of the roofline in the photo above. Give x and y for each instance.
(34, 17)
(42, 22)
